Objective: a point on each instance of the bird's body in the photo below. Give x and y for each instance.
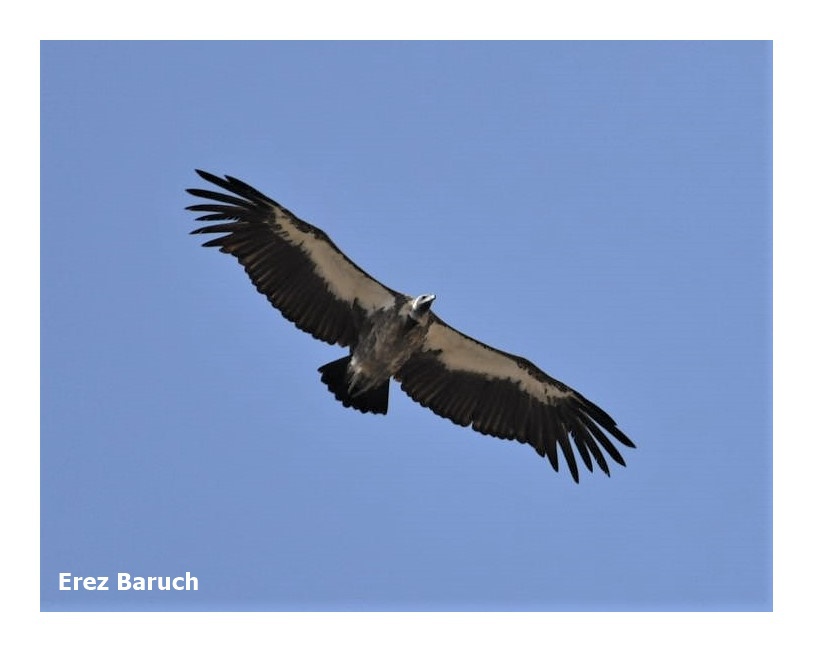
(386, 341)
(392, 335)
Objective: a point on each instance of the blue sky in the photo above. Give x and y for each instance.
(603, 209)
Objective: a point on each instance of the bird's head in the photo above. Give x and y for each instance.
(420, 305)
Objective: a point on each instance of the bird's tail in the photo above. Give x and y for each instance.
(337, 378)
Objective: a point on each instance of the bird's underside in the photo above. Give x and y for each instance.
(389, 334)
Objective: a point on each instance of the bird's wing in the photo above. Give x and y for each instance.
(506, 396)
(293, 263)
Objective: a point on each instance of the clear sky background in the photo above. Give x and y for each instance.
(603, 209)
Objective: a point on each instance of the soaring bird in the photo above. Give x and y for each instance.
(393, 335)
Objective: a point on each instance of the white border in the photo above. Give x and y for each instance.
(583, 20)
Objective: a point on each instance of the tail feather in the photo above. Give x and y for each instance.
(335, 375)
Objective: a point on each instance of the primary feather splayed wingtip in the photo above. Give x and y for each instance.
(392, 335)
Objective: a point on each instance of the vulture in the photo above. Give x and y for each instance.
(392, 335)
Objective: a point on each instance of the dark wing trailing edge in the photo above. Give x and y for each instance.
(293, 263)
(506, 396)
